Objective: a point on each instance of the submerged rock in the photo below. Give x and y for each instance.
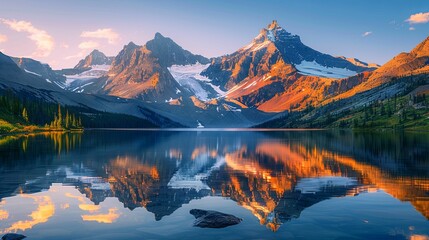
(213, 219)
(13, 236)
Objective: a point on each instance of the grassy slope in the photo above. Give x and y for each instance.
(11, 124)
(406, 114)
(416, 117)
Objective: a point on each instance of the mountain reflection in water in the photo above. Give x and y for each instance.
(274, 175)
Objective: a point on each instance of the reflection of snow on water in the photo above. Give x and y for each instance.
(312, 185)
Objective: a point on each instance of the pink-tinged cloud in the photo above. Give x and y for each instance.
(44, 42)
(3, 38)
(418, 18)
(88, 45)
(85, 47)
(106, 33)
(366, 34)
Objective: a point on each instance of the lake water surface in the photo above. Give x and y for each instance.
(283, 184)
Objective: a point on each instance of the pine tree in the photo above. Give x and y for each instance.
(60, 117)
(67, 120)
(25, 114)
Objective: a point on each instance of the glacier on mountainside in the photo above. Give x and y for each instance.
(96, 71)
(189, 76)
(315, 69)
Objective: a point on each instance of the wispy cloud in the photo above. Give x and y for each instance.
(412, 28)
(418, 18)
(106, 33)
(79, 55)
(44, 41)
(84, 46)
(3, 38)
(366, 34)
(88, 45)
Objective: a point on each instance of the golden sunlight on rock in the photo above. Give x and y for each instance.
(110, 217)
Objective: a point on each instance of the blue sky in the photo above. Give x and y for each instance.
(62, 32)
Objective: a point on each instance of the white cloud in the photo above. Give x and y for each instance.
(3, 38)
(88, 45)
(85, 47)
(412, 28)
(79, 55)
(366, 34)
(418, 18)
(44, 41)
(106, 33)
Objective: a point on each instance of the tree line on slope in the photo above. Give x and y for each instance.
(22, 110)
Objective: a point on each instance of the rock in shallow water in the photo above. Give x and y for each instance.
(213, 219)
(13, 236)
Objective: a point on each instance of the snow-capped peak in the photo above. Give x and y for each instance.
(273, 25)
(272, 34)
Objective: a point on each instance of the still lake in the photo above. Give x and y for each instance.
(114, 184)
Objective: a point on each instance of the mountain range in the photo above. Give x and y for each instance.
(266, 81)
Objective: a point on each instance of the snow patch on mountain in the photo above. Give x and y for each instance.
(270, 36)
(96, 71)
(82, 87)
(189, 76)
(32, 72)
(315, 69)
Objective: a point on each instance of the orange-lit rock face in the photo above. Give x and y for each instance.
(139, 74)
(404, 64)
(198, 103)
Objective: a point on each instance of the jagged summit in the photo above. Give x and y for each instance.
(273, 25)
(158, 35)
(142, 71)
(131, 44)
(422, 50)
(170, 53)
(273, 33)
(94, 58)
